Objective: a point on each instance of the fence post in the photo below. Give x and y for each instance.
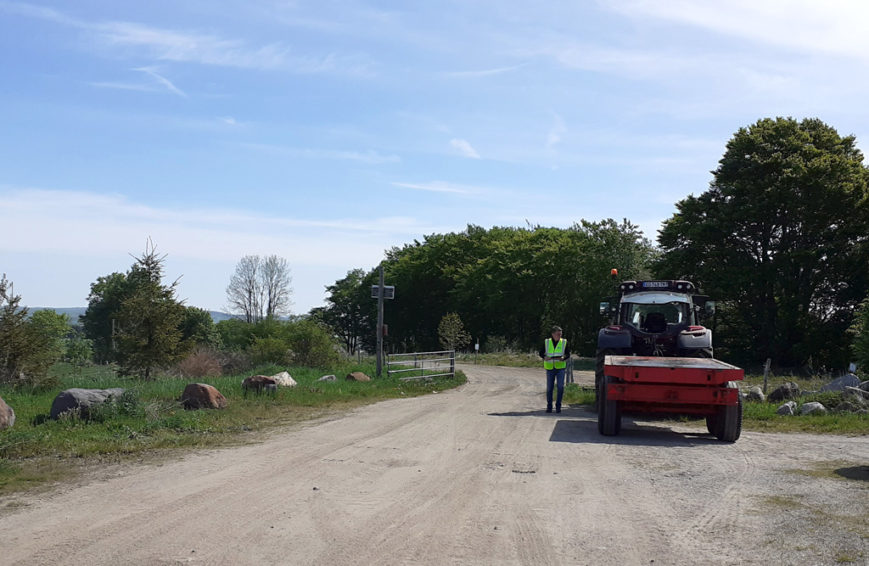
(452, 363)
(766, 373)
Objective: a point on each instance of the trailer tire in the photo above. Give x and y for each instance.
(609, 414)
(712, 424)
(729, 419)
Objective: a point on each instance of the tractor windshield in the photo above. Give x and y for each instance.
(656, 317)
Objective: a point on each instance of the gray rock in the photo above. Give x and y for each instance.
(787, 408)
(755, 394)
(7, 415)
(785, 391)
(328, 378)
(849, 380)
(811, 408)
(864, 385)
(82, 400)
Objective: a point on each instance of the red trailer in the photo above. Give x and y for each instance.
(695, 386)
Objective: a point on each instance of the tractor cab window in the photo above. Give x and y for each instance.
(656, 318)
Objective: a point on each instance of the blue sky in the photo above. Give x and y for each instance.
(327, 132)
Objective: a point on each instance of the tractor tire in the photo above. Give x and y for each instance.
(729, 419)
(712, 424)
(609, 414)
(598, 372)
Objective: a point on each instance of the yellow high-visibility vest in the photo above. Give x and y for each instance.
(555, 351)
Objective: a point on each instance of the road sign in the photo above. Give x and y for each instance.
(388, 291)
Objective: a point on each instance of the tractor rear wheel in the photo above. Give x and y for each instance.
(600, 360)
(609, 414)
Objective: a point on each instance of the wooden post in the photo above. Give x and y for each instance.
(380, 324)
(766, 373)
(452, 363)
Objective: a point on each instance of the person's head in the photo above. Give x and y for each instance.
(556, 332)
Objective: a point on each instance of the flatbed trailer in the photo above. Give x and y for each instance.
(696, 386)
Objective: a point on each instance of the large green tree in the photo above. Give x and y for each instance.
(100, 319)
(351, 313)
(780, 237)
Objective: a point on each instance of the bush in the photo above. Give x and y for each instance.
(312, 345)
(203, 362)
(269, 351)
(233, 363)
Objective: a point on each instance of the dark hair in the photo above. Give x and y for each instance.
(556, 329)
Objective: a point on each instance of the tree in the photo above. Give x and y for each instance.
(28, 346)
(198, 329)
(260, 288)
(350, 313)
(148, 333)
(100, 319)
(452, 332)
(276, 281)
(780, 237)
(860, 331)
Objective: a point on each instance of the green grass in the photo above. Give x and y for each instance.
(150, 418)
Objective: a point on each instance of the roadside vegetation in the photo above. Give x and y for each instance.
(149, 418)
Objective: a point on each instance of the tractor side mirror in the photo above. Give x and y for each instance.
(709, 308)
(604, 307)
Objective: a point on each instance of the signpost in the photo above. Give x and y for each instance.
(381, 292)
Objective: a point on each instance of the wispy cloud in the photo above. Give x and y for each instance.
(556, 132)
(152, 72)
(201, 48)
(485, 72)
(369, 157)
(465, 148)
(438, 187)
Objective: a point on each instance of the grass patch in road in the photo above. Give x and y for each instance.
(150, 417)
(576, 395)
(762, 416)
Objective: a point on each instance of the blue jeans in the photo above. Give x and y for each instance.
(553, 375)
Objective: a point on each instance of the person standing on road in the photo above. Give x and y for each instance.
(554, 353)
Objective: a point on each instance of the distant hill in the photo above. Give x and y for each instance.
(75, 312)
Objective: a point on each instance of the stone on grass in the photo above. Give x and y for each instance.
(755, 394)
(258, 384)
(202, 396)
(328, 378)
(811, 408)
(284, 379)
(848, 380)
(787, 408)
(82, 400)
(785, 391)
(864, 385)
(357, 376)
(7, 415)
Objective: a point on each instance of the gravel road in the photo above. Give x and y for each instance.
(477, 475)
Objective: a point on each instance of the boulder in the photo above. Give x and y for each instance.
(357, 376)
(785, 391)
(259, 383)
(812, 408)
(7, 415)
(284, 379)
(848, 380)
(202, 396)
(787, 408)
(82, 400)
(864, 385)
(755, 394)
(328, 378)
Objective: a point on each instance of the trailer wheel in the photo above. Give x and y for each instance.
(609, 415)
(729, 419)
(712, 424)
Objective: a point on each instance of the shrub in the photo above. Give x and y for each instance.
(234, 362)
(269, 351)
(312, 345)
(203, 362)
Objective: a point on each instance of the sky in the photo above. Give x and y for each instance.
(327, 132)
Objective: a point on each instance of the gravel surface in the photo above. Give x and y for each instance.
(477, 475)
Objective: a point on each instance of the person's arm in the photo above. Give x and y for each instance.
(567, 352)
(542, 352)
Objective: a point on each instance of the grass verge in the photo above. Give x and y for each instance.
(517, 360)
(149, 418)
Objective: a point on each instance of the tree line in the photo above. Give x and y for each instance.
(780, 240)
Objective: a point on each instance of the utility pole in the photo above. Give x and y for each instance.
(380, 324)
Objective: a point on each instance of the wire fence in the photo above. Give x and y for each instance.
(421, 365)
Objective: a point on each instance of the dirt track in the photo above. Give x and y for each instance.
(476, 475)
